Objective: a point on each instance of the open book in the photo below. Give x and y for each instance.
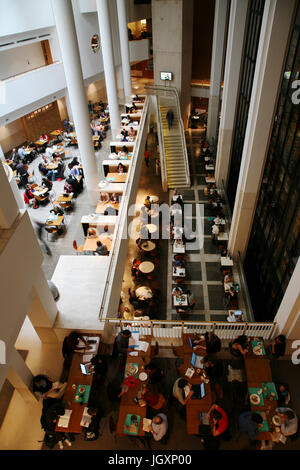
(86, 418)
(63, 421)
(146, 424)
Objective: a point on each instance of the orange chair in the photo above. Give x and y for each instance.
(79, 249)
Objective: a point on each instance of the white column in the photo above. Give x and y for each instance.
(274, 35)
(122, 19)
(288, 315)
(68, 105)
(9, 209)
(66, 32)
(216, 67)
(236, 31)
(122, 98)
(108, 63)
(21, 377)
(2, 156)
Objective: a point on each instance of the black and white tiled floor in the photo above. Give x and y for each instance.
(204, 278)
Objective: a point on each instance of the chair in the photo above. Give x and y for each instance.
(51, 231)
(79, 249)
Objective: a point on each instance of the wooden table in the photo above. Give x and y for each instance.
(258, 369)
(178, 247)
(146, 267)
(148, 245)
(63, 199)
(40, 142)
(117, 177)
(180, 303)
(55, 133)
(268, 408)
(90, 244)
(52, 166)
(178, 272)
(101, 208)
(39, 192)
(144, 293)
(127, 404)
(76, 377)
(57, 222)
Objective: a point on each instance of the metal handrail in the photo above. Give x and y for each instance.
(244, 286)
(123, 213)
(173, 91)
(163, 163)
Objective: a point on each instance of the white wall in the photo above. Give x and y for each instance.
(139, 50)
(18, 16)
(12, 135)
(20, 60)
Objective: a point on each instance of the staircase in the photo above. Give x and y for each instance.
(174, 144)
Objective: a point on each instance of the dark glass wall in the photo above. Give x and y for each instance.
(253, 27)
(274, 243)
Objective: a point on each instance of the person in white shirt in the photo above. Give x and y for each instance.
(289, 421)
(159, 426)
(215, 232)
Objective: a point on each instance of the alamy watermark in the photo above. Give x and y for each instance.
(296, 94)
(296, 354)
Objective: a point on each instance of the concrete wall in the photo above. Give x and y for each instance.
(17, 16)
(21, 59)
(12, 135)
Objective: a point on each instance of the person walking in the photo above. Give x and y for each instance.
(170, 118)
(39, 226)
(147, 157)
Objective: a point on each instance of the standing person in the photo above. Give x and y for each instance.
(170, 118)
(159, 426)
(157, 166)
(39, 233)
(22, 172)
(147, 157)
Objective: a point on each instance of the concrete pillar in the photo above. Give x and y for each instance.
(288, 315)
(121, 92)
(66, 32)
(43, 311)
(2, 156)
(274, 35)
(68, 106)
(20, 377)
(122, 19)
(216, 67)
(172, 46)
(236, 31)
(9, 209)
(108, 63)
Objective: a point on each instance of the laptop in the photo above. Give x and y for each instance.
(204, 427)
(199, 391)
(196, 361)
(85, 368)
(191, 342)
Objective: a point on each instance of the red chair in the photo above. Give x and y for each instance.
(79, 249)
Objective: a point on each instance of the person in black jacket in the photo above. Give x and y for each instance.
(100, 367)
(91, 433)
(22, 172)
(70, 345)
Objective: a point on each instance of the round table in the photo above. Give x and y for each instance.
(154, 199)
(146, 267)
(148, 245)
(152, 228)
(144, 293)
(152, 213)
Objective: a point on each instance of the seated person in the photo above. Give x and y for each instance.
(124, 152)
(57, 210)
(121, 169)
(46, 184)
(114, 198)
(250, 423)
(135, 268)
(177, 291)
(45, 387)
(213, 369)
(180, 263)
(124, 133)
(209, 344)
(152, 397)
(277, 348)
(283, 394)
(124, 139)
(121, 343)
(147, 202)
(219, 422)
(91, 433)
(99, 363)
(155, 373)
(240, 346)
(92, 232)
(44, 137)
(75, 171)
(50, 416)
(73, 163)
(71, 344)
(159, 426)
(101, 249)
(104, 197)
(182, 390)
(71, 185)
(131, 132)
(29, 196)
(289, 421)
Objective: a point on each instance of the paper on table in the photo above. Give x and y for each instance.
(146, 424)
(190, 372)
(133, 353)
(64, 420)
(143, 346)
(86, 418)
(87, 358)
(134, 339)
